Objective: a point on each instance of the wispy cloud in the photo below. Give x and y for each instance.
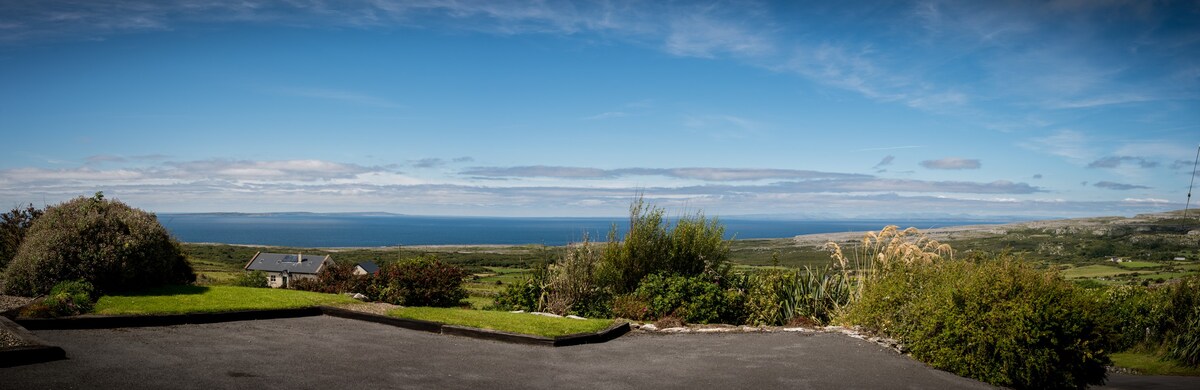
(885, 161)
(607, 115)
(888, 148)
(1108, 185)
(951, 163)
(1117, 161)
(706, 174)
(700, 34)
(724, 126)
(341, 96)
(1071, 144)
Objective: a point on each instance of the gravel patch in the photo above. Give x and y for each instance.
(379, 308)
(7, 339)
(8, 302)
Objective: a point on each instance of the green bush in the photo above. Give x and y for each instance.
(809, 296)
(694, 247)
(250, 279)
(421, 282)
(65, 299)
(1132, 313)
(998, 320)
(1180, 322)
(528, 295)
(338, 278)
(13, 226)
(691, 299)
(630, 306)
(106, 243)
(572, 284)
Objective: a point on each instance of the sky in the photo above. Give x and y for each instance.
(852, 109)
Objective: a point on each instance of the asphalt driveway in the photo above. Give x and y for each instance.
(327, 352)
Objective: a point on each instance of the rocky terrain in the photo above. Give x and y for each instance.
(1171, 222)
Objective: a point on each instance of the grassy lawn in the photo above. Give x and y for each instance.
(1138, 264)
(480, 302)
(1093, 271)
(1165, 275)
(1148, 364)
(503, 321)
(211, 299)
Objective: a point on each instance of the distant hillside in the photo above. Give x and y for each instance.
(1149, 237)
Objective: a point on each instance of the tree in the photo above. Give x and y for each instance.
(13, 226)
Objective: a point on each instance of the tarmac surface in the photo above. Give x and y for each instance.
(328, 352)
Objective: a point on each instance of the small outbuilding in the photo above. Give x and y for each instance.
(365, 268)
(282, 268)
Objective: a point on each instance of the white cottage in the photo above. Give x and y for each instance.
(282, 269)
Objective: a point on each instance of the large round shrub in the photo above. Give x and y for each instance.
(106, 243)
(1002, 321)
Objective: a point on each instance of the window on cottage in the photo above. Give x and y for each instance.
(272, 278)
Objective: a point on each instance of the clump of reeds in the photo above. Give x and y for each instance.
(877, 252)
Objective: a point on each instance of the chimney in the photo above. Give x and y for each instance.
(300, 258)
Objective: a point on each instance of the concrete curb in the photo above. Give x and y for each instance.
(610, 333)
(424, 326)
(36, 350)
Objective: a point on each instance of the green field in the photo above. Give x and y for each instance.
(1093, 271)
(1148, 364)
(1138, 264)
(211, 299)
(523, 323)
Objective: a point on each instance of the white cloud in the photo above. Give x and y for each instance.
(951, 163)
(1063, 143)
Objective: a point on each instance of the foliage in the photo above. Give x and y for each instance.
(816, 295)
(250, 279)
(691, 299)
(13, 226)
(1132, 313)
(1180, 322)
(413, 282)
(65, 299)
(694, 247)
(421, 282)
(572, 283)
(211, 299)
(106, 243)
(338, 278)
(529, 295)
(998, 319)
(631, 306)
(503, 321)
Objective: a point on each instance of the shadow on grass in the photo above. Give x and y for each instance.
(164, 291)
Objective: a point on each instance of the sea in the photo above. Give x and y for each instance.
(385, 230)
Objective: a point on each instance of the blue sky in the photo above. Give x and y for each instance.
(498, 108)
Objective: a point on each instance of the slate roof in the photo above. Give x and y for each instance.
(368, 266)
(279, 262)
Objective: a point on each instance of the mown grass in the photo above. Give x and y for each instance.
(211, 299)
(504, 321)
(1148, 364)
